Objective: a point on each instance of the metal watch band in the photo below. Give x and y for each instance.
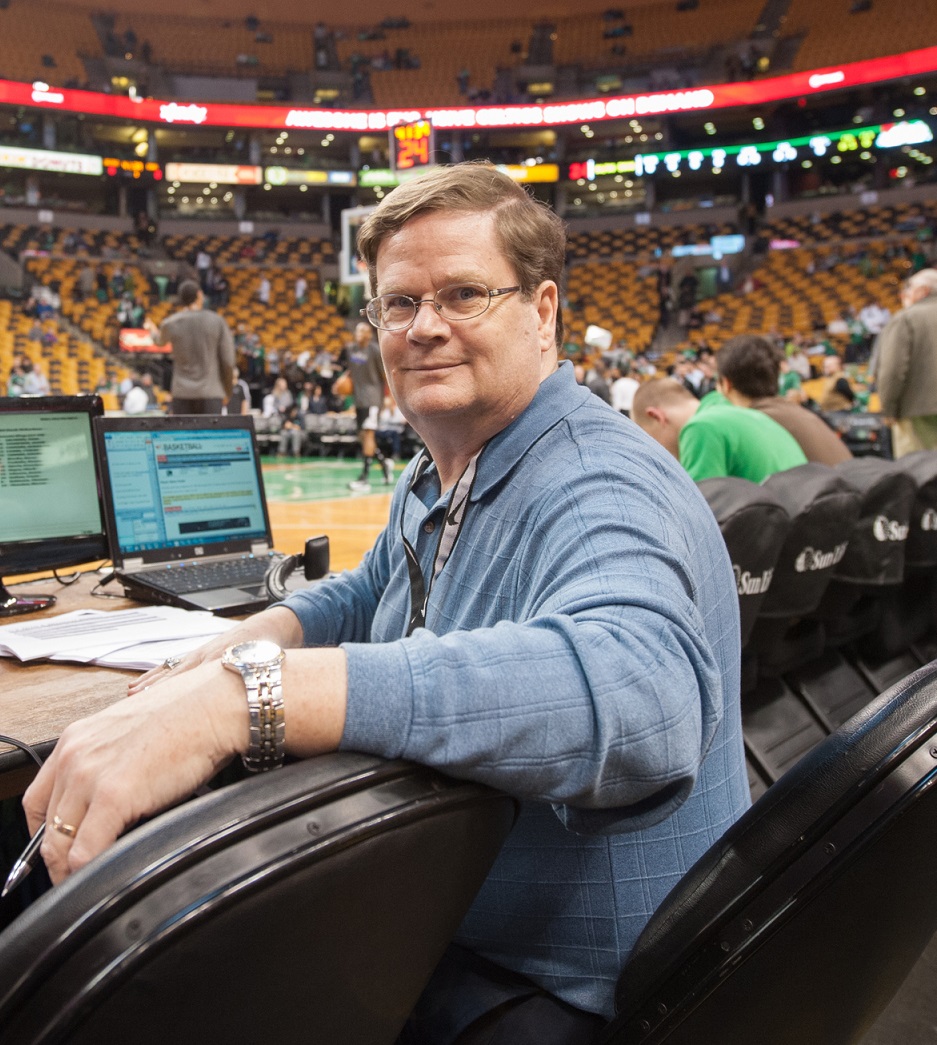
(266, 721)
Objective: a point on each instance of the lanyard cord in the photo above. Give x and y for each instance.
(448, 535)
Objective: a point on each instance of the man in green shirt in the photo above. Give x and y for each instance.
(713, 437)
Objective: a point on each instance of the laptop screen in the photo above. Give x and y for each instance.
(180, 487)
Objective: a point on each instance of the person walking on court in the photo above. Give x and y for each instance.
(202, 354)
(367, 375)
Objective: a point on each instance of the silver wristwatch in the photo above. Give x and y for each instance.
(259, 663)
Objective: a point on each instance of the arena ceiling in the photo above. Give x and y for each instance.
(361, 12)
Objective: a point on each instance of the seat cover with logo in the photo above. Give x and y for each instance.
(753, 524)
(876, 551)
(921, 549)
(823, 508)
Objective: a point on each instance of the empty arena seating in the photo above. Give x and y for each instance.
(33, 29)
(834, 34)
(615, 296)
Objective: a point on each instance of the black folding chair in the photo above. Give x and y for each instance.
(308, 904)
(801, 923)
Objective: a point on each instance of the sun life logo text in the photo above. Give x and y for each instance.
(885, 529)
(811, 559)
(748, 583)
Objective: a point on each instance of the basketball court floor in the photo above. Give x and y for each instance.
(310, 496)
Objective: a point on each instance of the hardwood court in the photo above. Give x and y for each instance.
(311, 497)
(351, 524)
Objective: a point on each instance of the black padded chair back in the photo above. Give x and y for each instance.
(851, 607)
(921, 549)
(801, 923)
(754, 524)
(308, 904)
(823, 507)
(876, 551)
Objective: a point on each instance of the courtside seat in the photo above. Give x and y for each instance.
(823, 507)
(754, 525)
(339, 435)
(850, 670)
(316, 426)
(909, 612)
(802, 921)
(874, 559)
(779, 726)
(307, 904)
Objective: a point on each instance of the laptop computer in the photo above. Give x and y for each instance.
(186, 515)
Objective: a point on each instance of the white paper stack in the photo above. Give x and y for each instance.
(135, 639)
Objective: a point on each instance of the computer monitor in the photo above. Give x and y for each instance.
(50, 503)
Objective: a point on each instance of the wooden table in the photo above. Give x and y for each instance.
(38, 700)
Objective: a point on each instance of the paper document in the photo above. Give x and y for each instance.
(138, 638)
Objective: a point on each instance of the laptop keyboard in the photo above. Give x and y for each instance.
(210, 576)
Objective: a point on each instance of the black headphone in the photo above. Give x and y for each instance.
(314, 561)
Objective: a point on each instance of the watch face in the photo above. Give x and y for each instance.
(255, 653)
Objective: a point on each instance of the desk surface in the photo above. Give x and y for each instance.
(38, 700)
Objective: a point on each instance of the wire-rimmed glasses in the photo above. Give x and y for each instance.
(454, 303)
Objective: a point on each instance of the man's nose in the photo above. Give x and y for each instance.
(427, 322)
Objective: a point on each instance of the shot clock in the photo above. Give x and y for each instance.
(411, 145)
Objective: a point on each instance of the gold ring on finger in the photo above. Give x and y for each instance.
(58, 824)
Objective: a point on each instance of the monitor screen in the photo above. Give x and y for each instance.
(50, 504)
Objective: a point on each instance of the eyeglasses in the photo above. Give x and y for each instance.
(455, 303)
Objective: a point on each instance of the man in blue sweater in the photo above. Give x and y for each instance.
(550, 610)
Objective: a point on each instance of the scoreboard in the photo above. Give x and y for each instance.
(411, 145)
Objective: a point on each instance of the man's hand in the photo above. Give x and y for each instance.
(133, 759)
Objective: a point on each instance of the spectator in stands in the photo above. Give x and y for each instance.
(391, 426)
(790, 385)
(578, 647)
(691, 374)
(203, 263)
(797, 358)
(263, 291)
(623, 388)
(250, 354)
(239, 402)
(596, 380)
(706, 363)
(84, 284)
(299, 291)
(218, 290)
(906, 369)
(713, 437)
(292, 432)
(873, 318)
(686, 298)
(117, 281)
(278, 400)
(35, 382)
(141, 396)
(17, 376)
(312, 400)
(748, 368)
(202, 353)
(837, 392)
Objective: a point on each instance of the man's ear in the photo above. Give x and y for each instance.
(548, 304)
(658, 414)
